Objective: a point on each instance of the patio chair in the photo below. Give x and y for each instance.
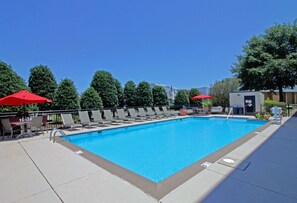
(152, 113)
(68, 122)
(97, 117)
(36, 124)
(133, 114)
(122, 116)
(7, 128)
(142, 113)
(159, 113)
(109, 117)
(85, 120)
(166, 112)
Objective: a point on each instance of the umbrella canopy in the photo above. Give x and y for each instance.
(201, 96)
(23, 97)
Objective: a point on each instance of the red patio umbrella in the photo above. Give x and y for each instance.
(23, 97)
(201, 96)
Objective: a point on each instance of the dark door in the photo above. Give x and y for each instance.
(249, 104)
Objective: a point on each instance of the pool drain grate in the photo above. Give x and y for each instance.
(235, 163)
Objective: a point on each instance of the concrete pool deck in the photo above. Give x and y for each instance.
(37, 170)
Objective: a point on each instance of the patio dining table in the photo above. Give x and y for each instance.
(25, 130)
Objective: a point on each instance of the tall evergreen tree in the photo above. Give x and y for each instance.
(103, 83)
(181, 98)
(192, 93)
(90, 99)
(43, 83)
(159, 96)
(66, 96)
(120, 92)
(10, 82)
(144, 94)
(130, 94)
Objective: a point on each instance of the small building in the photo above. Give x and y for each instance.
(246, 102)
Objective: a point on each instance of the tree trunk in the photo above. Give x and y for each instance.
(281, 95)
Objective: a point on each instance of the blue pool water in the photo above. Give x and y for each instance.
(159, 150)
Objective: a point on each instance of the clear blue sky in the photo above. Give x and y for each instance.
(181, 43)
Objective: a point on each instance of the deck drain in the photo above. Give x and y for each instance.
(229, 161)
(78, 152)
(234, 163)
(206, 164)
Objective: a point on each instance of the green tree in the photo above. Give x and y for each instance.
(43, 83)
(144, 94)
(194, 92)
(181, 98)
(269, 61)
(120, 92)
(103, 83)
(66, 96)
(90, 99)
(10, 82)
(221, 89)
(130, 94)
(159, 96)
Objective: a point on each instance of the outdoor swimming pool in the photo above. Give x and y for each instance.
(159, 150)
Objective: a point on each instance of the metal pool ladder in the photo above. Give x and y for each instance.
(53, 134)
(230, 111)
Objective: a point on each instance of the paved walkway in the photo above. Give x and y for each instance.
(36, 170)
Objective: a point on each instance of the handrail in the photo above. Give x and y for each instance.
(230, 111)
(53, 134)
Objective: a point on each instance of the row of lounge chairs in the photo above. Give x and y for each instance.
(142, 115)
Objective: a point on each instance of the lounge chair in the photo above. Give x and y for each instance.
(36, 124)
(97, 117)
(109, 117)
(133, 114)
(122, 116)
(85, 120)
(159, 113)
(166, 112)
(150, 112)
(142, 113)
(68, 122)
(7, 128)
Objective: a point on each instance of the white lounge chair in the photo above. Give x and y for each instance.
(159, 113)
(85, 120)
(122, 116)
(97, 117)
(68, 122)
(108, 116)
(133, 114)
(142, 113)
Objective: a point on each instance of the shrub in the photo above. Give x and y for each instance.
(268, 104)
(159, 96)
(43, 83)
(262, 115)
(103, 83)
(181, 98)
(194, 92)
(66, 96)
(207, 103)
(144, 94)
(90, 99)
(120, 92)
(130, 94)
